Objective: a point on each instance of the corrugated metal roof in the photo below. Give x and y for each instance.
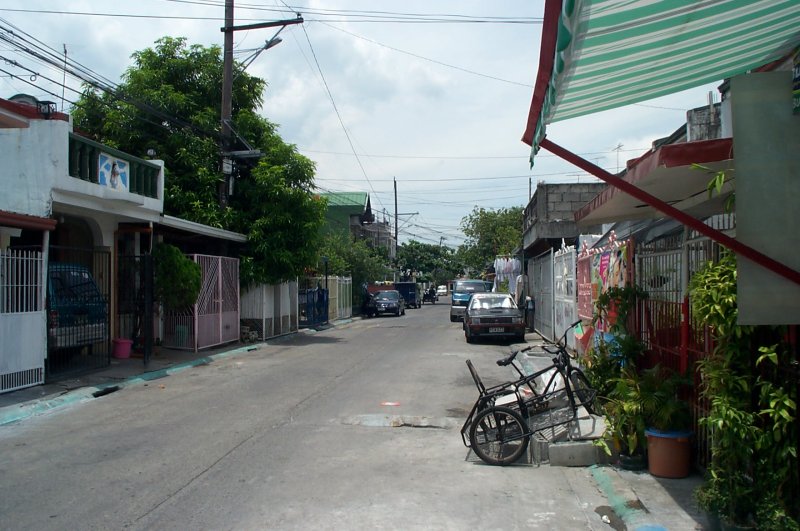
(358, 199)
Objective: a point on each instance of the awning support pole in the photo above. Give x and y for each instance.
(670, 211)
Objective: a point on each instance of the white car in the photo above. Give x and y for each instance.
(441, 290)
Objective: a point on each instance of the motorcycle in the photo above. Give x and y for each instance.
(430, 296)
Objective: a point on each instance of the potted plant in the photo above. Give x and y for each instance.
(625, 416)
(177, 278)
(668, 422)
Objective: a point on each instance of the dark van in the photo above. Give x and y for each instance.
(77, 310)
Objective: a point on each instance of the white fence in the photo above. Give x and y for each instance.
(270, 310)
(23, 339)
(340, 300)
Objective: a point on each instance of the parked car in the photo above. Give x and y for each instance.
(389, 301)
(441, 291)
(462, 289)
(493, 315)
(77, 310)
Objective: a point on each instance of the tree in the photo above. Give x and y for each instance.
(348, 256)
(489, 233)
(433, 263)
(169, 101)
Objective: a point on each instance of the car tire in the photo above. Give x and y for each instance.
(469, 337)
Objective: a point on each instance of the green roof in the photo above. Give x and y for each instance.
(350, 199)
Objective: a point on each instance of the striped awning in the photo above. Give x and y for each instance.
(602, 54)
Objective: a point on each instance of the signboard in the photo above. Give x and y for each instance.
(113, 172)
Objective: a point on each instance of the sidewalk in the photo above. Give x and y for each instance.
(636, 500)
(33, 401)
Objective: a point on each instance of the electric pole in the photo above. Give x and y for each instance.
(227, 94)
(227, 104)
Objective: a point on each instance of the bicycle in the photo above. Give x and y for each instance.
(506, 416)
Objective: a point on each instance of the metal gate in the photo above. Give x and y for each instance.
(214, 319)
(22, 319)
(135, 307)
(542, 285)
(78, 291)
(564, 296)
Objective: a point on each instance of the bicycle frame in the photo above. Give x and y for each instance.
(537, 410)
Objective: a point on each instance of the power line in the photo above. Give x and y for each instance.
(526, 85)
(344, 16)
(336, 110)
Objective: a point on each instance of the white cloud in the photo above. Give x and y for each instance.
(411, 109)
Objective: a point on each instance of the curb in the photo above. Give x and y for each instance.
(37, 407)
(623, 500)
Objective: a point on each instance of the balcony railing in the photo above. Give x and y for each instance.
(84, 164)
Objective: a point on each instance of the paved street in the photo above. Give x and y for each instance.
(295, 434)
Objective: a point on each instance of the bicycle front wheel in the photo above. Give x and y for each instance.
(499, 436)
(584, 394)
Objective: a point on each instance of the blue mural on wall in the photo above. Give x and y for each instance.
(113, 172)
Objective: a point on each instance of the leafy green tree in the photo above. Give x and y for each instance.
(433, 263)
(169, 100)
(489, 233)
(348, 256)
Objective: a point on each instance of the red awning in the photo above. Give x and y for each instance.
(668, 173)
(22, 221)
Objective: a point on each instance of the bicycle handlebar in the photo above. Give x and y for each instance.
(560, 348)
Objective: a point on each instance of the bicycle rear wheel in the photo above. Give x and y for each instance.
(499, 436)
(584, 394)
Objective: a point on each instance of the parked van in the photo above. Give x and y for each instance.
(462, 289)
(77, 310)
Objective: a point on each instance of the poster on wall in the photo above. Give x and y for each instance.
(609, 270)
(113, 172)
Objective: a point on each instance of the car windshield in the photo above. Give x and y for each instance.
(472, 286)
(73, 284)
(492, 303)
(387, 296)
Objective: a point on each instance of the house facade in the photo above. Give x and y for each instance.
(75, 218)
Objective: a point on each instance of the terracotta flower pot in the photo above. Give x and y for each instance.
(669, 453)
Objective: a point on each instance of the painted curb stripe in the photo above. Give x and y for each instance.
(623, 500)
(37, 407)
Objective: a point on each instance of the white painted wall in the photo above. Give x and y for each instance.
(32, 158)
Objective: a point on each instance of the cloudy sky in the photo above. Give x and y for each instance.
(432, 94)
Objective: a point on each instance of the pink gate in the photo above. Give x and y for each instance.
(214, 319)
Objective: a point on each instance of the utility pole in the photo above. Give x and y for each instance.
(227, 104)
(227, 94)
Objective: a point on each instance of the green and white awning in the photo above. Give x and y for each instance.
(601, 54)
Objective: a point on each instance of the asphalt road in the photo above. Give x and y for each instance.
(355, 427)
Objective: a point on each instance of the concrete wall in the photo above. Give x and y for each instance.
(551, 211)
(33, 158)
(35, 180)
